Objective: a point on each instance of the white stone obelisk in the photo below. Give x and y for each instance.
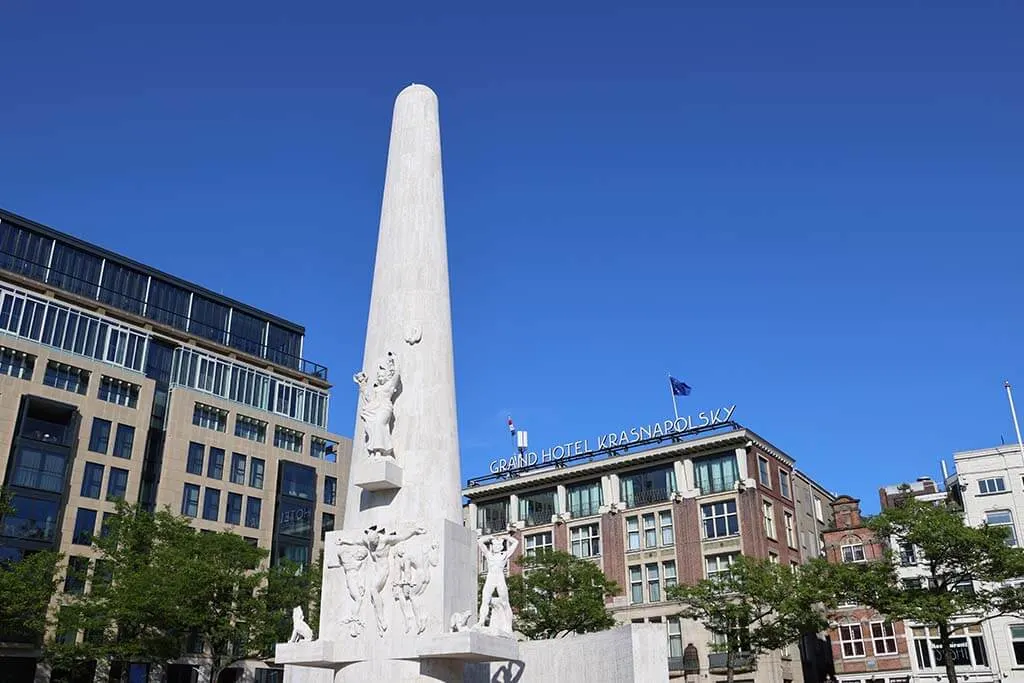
(403, 539)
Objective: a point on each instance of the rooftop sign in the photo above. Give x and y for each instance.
(626, 437)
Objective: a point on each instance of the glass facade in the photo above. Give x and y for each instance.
(537, 507)
(492, 517)
(716, 473)
(124, 441)
(584, 499)
(649, 486)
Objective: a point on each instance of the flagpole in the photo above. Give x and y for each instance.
(1013, 412)
(672, 392)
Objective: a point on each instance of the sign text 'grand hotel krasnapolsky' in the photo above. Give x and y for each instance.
(680, 425)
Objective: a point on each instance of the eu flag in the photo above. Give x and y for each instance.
(679, 388)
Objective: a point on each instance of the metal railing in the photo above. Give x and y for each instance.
(41, 272)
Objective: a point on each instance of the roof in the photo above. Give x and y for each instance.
(7, 216)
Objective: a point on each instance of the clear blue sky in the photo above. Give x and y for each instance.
(816, 214)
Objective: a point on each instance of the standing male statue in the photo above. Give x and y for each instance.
(377, 408)
(497, 553)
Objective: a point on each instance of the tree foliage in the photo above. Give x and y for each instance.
(559, 594)
(159, 584)
(757, 606)
(26, 587)
(965, 569)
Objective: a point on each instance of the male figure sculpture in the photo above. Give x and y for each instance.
(378, 544)
(497, 553)
(376, 407)
(300, 629)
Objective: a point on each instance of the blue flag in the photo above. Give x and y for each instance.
(679, 388)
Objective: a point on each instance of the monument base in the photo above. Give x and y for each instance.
(378, 475)
(469, 646)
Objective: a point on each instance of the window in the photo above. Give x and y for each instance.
(647, 486)
(716, 473)
(105, 524)
(288, 439)
(720, 519)
(669, 572)
(196, 451)
(585, 540)
(912, 583)
(85, 526)
(908, 556)
(253, 508)
(650, 531)
(967, 645)
(1017, 639)
(99, 437)
(117, 483)
(817, 510)
(211, 504)
(632, 533)
(35, 468)
(16, 363)
(636, 585)
(233, 514)
(250, 428)
(717, 566)
(764, 471)
(790, 531)
(675, 639)
(256, 473)
(297, 480)
(851, 639)
(1003, 519)
(769, 519)
(92, 481)
(794, 566)
(31, 518)
(665, 522)
(784, 484)
(117, 391)
(992, 485)
(492, 517)
(215, 466)
(653, 582)
(190, 501)
(102, 574)
(773, 557)
(852, 552)
(330, 490)
(124, 441)
(210, 417)
(322, 449)
(537, 543)
(66, 377)
(326, 524)
(584, 499)
(74, 580)
(537, 507)
(883, 637)
(237, 468)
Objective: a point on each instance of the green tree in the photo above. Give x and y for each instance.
(559, 594)
(757, 607)
(27, 584)
(159, 584)
(966, 570)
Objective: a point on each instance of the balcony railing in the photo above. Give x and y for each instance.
(648, 497)
(584, 510)
(69, 282)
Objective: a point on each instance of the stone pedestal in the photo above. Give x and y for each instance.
(377, 475)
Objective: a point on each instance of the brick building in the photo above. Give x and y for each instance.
(678, 508)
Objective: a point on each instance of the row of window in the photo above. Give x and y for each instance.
(764, 476)
(99, 438)
(215, 465)
(88, 275)
(85, 526)
(64, 327)
(243, 384)
(92, 482)
(967, 644)
(15, 363)
(211, 506)
(216, 419)
(648, 582)
(76, 380)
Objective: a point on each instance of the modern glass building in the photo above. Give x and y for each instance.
(121, 381)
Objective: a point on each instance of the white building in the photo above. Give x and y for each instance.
(990, 484)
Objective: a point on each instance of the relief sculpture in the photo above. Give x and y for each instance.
(377, 408)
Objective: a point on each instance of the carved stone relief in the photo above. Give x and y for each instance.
(366, 559)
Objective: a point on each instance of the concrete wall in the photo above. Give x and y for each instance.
(637, 652)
